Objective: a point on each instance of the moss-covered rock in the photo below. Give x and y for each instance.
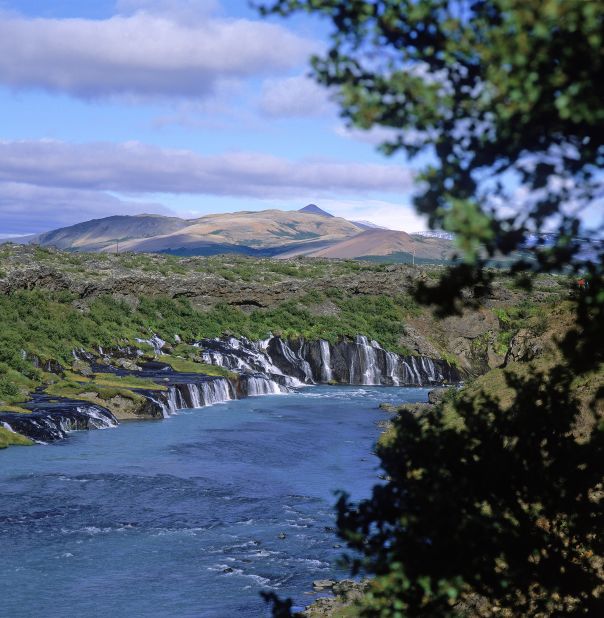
(10, 438)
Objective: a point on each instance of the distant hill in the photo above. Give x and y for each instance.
(381, 242)
(309, 231)
(97, 234)
(267, 232)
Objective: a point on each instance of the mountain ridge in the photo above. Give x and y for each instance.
(309, 231)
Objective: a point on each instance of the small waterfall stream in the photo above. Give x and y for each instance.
(326, 372)
(57, 420)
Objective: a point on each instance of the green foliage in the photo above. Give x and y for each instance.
(189, 366)
(48, 326)
(503, 504)
(496, 93)
(498, 507)
(9, 438)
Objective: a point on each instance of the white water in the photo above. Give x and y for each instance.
(97, 418)
(392, 367)
(368, 366)
(259, 385)
(156, 342)
(368, 363)
(296, 360)
(326, 372)
(248, 357)
(198, 395)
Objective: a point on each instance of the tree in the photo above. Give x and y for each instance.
(504, 101)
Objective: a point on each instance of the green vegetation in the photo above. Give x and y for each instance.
(184, 365)
(48, 325)
(77, 389)
(525, 314)
(111, 380)
(9, 438)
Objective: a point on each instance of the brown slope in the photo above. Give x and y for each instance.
(95, 234)
(260, 230)
(380, 242)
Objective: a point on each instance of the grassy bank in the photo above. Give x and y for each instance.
(49, 325)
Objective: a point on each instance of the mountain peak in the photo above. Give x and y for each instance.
(313, 209)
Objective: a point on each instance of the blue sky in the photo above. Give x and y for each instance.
(182, 107)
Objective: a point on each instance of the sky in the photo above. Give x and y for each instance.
(176, 107)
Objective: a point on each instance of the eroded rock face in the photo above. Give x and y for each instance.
(346, 593)
(357, 361)
(523, 347)
(50, 420)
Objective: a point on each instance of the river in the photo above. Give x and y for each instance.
(186, 516)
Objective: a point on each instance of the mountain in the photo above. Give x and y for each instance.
(309, 231)
(97, 234)
(368, 225)
(258, 233)
(382, 243)
(313, 209)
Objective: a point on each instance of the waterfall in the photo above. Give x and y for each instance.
(416, 370)
(192, 395)
(98, 418)
(369, 371)
(54, 423)
(156, 342)
(261, 385)
(215, 391)
(294, 363)
(326, 372)
(392, 367)
(429, 369)
(295, 359)
(245, 357)
(165, 410)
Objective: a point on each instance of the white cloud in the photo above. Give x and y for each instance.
(181, 10)
(141, 169)
(375, 136)
(146, 54)
(28, 209)
(293, 97)
(395, 216)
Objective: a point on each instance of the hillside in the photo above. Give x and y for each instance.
(265, 232)
(90, 326)
(381, 242)
(98, 234)
(258, 230)
(309, 231)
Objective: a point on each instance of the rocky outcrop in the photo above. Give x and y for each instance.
(52, 420)
(190, 392)
(294, 362)
(345, 594)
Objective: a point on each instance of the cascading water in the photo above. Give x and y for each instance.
(294, 363)
(245, 357)
(392, 367)
(56, 421)
(326, 372)
(369, 371)
(260, 385)
(192, 395)
(156, 342)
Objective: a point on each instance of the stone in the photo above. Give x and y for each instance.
(81, 367)
(436, 395)
(323, 584)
